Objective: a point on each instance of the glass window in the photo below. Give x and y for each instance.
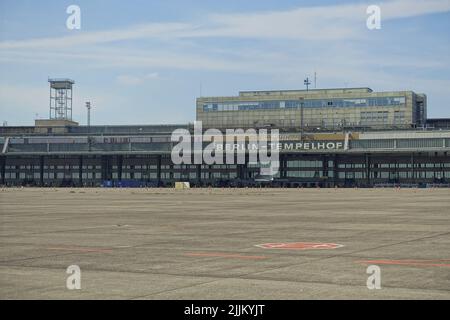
(310, 103)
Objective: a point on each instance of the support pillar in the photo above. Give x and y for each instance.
(41, 171)
(119, 167)
(80, 171)
(3, 169)
(335, 170)
(158, 170)
(368, 164)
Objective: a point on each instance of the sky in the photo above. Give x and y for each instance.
(146, 61)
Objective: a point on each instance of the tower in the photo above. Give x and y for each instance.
(61, 99)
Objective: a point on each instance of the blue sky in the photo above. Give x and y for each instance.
(144, 62)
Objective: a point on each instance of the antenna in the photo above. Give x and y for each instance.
(307, 83)
(315, 80)
(88, 107)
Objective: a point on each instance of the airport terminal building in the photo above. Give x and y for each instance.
(332, 109)
(348, 137)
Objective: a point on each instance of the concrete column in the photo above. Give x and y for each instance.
(41, 171)
(158, 169)
(368, 163)
(199, 173)
(3, 169)
(240, 170)
(285, 161)
(324, 159)
(325, 165)
(335, 168)
(243, 168)
(80, 170)
(119, 167)
(106, 167)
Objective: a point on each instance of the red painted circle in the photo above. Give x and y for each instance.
(300, 246)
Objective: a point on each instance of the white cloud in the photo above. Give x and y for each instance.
(411, 8)
(152, 30)
(133, 80)
(98, 57)
(97, 49)
(299, 41)
(333, 22)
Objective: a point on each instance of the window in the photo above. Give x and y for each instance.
(309, 103)
(375, 117)
(399, 117)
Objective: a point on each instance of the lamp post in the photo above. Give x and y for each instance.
(307, 83)
(88, 107)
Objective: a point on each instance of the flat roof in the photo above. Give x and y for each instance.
(56, 80)
(364, 89)
(60, 83)
(438, 119)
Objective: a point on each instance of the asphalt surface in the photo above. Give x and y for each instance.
(203, 243)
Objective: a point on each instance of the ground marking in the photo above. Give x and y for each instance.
(412, 263)
(300, 245)
(86, 250)
(224, 255)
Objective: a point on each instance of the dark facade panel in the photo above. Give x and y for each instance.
(326, 170)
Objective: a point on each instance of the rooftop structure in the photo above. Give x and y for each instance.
(332, 109)
(61, 99)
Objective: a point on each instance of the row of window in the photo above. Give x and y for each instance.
(52, 175)
(231, 175)
(311, 103)
(304, 174)
(393, 165)
(304, 164)
(51, 167)
(289, 164)
(374, 117)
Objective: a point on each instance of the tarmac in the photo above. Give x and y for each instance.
(225, 243)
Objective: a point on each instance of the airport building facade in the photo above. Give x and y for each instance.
(333, 109)
(142, 157)
(312, 152)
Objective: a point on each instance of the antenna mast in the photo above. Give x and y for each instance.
(307, 83)
(88, 107)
